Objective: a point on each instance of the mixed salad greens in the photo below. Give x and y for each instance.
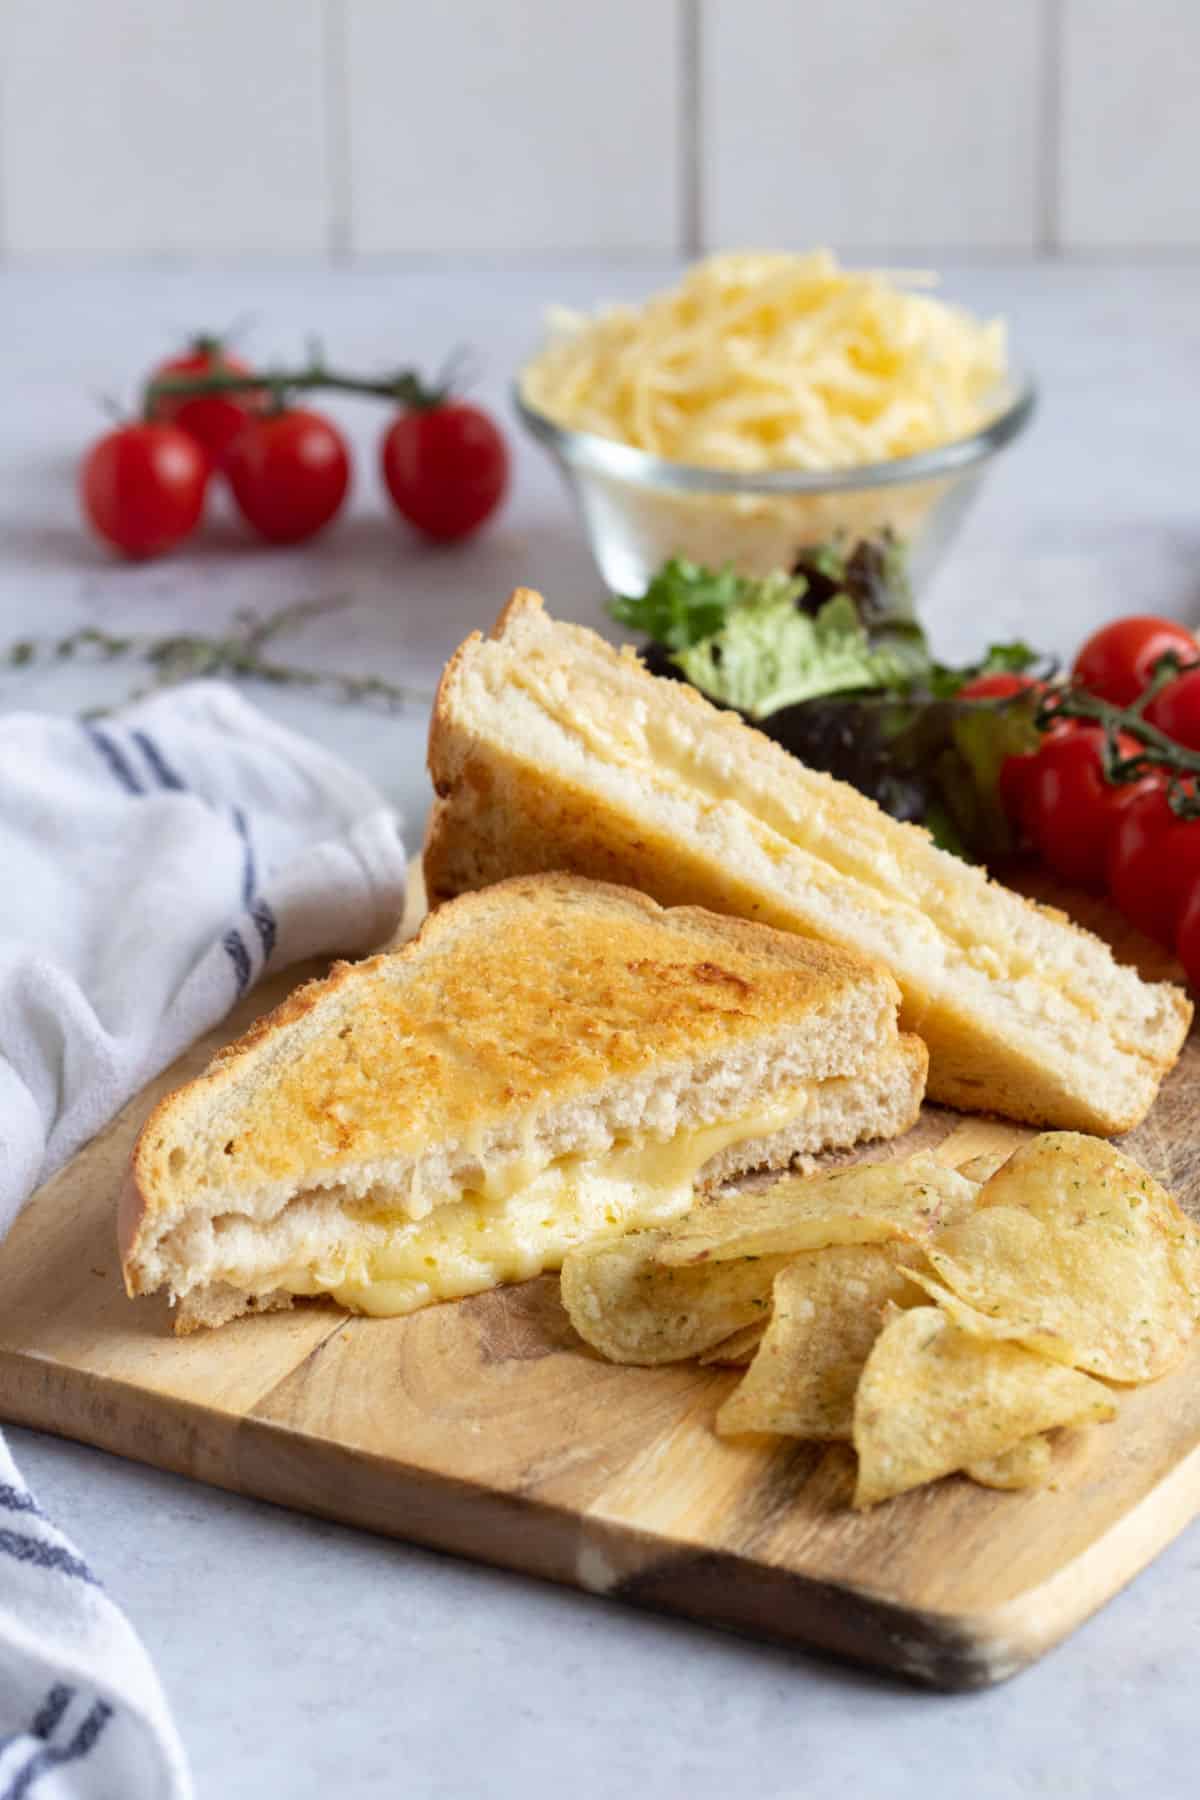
(831, 662)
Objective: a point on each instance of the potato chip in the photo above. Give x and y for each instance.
(827, 1311)
(868, 1203)
(633, 1310)
(1027, 1464)
(980, 1324)
(981, 1168)
(738, 1351)
(932, 1399)
(1081, 1255)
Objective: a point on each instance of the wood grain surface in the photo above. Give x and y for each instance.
(487, 1428)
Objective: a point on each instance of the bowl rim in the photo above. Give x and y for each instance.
(589, 451)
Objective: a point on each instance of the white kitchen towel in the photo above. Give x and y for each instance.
(82, 1716)
(151, 868)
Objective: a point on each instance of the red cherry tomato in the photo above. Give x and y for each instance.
(1116, 661)
(1176, 710)
(142, 487)
(1187, 937)
(1000, 686)
(1153, 862)
(289, 473)
(1068, 808)
(214, 420)
(446, 468)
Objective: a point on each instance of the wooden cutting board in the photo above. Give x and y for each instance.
(488, 1429)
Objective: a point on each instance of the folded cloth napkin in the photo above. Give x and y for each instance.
(152, 867)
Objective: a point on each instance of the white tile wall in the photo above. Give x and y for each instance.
(875, 125)
(499, 124)
(135, 126)
(1131, 123)
(532, 127)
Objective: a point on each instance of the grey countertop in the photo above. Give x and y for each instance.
(305, 1659)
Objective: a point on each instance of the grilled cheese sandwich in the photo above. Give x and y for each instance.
(549, 1062)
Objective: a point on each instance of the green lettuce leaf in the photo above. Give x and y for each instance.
(768, 654)
(684, 604)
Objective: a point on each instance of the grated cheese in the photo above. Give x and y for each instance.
(762, 361)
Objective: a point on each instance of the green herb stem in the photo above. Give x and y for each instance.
(404, 386)
(237, 656)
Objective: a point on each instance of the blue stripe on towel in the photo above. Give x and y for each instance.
(15, 1499)
(158, 765)
(116, 759)
(44, 1556)
(249, 868)
(49, 1714)
(265, 924)
(239, 956)
(55, 1755)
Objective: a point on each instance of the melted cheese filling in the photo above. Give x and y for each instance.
(526, 1222)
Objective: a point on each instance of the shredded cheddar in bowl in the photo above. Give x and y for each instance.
(762, 361)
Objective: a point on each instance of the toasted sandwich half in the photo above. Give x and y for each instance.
(547, 1062)
(549, 749)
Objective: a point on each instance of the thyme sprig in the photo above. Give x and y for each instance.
(238, 655)
(1155, 752)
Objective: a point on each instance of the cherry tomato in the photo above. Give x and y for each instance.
(1000, 686)
(1153, 862)
(1068, 808)
(1116, 661)
(1187, 938)
(289, 472)
(445, 467)
(142, 487)
(214, 420)
(1176, 710)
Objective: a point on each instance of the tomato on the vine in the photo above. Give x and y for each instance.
(289, 472)
(1153, 862)
(445, 467)
(142, 487)
(214, 420)
(1176, 709)
(1069, 809)
(1116, 662)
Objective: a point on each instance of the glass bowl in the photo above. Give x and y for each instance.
(639, 509)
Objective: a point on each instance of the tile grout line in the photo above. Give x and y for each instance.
(691, 196)
(337, 129)
(1048, 222)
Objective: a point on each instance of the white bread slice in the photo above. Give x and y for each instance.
(549, 749)
(544, 1062)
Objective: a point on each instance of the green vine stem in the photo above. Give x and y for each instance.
(238, 656)
(404, 387)
(1156, 751)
